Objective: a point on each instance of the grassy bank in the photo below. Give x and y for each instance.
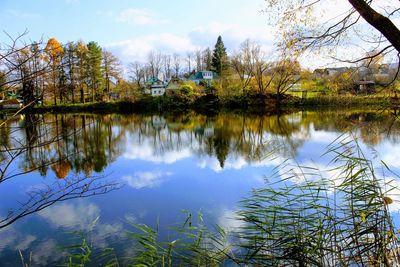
(212, 104)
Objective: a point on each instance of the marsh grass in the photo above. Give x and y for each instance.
(191, 244)
(309, 217)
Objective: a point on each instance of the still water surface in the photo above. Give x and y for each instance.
(61, 173)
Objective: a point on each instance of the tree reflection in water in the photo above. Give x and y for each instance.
(77, 148)
(37, 143)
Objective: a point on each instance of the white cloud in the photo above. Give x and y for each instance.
(229, 221)
(8, 237)
(199, 38)
(26, 242)
(76, 216)
(46, 252)
(146, 179)
(135, 16)
(393, 191)
(232, 34)
(212, 163)
(145, 151)
(138, 48)
(237, 163)
(390, 154)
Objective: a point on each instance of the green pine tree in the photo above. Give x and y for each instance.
(94, 69)
(219, 58)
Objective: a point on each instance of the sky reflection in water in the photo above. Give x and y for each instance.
(164, 164)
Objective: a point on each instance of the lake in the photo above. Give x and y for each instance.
(66, 173)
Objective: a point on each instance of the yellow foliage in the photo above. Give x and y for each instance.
(54, 49)
(387, 200)
(363, 216)
(81, 48)
(61, 168)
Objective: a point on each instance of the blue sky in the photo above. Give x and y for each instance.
(132, 28)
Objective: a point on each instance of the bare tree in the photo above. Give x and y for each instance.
(38, 145)
(243, 61)
(23, 65)
(167, 66)
(111, 68)
(198, 56)
(137, 72)
(155, 63)
(177, 64)
(297, 19)
(207, 58)
(71, 188)
(189, 58)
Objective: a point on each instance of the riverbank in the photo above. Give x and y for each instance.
(212, 104)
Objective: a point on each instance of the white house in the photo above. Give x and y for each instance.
(157, 86)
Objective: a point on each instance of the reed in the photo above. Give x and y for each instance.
(308, 217)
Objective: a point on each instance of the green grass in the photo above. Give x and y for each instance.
(210, 103)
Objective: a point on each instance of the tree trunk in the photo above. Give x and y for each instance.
(82, 95)
(383, 24)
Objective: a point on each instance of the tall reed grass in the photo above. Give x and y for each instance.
(308, 217)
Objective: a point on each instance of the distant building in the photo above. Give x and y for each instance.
(295, 87)
(204, 75)
(156, 86)
(174, 86)
(365, 87)
(331, 71)
(335, 71)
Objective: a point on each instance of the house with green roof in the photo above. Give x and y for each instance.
(204, 75)
(174, 86)
(156, 86)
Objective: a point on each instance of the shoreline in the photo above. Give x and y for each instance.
(212, 104)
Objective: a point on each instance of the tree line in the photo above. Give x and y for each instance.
(71, 72)
(74, 72)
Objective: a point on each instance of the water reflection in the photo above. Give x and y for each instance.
(89, 143)
(167, 163)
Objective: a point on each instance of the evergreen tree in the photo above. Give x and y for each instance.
(219, 58)
(94, 68)
(82, 61)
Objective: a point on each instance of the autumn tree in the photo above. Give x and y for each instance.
(55, 51)
(341, 82)
(309, 24)
(243, 62)
(220, 57)
(111, 67)
(286, 72)
(94, 70)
